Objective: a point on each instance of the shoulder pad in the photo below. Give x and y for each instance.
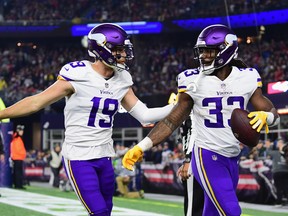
(73, 70)
(185, 78)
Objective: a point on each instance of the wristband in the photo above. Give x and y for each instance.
(145, 144)
(186, 160)
(188, 155)
(270, 118)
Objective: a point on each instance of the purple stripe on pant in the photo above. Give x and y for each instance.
(93, 181)
(218, 176)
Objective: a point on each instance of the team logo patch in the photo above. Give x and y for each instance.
(106, 85)
(214, 157)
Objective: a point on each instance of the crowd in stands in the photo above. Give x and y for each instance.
(162, 154)
(270, 160)
(37, 158)
(77, 11)
(262, 150)
(26, 69)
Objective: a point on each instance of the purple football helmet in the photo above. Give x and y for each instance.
(218, 37)
(104, 38)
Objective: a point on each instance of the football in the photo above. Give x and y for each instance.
(242, 129)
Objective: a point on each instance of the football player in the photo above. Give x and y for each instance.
(94, 92)
(221, 84)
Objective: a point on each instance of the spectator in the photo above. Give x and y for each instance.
(166, 154)
(156, 154)
(280, 171)
(3, 83)
(18, 155)
(41, 159)
(178, 152)
(244, 154)
(123, 180)
(55, 163)
(30, 158)
(253, 154)
(269, 145)
(261, 149)
(120, 150)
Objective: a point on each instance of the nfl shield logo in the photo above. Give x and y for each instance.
(106, 85)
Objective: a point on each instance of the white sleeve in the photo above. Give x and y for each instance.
(147, 115)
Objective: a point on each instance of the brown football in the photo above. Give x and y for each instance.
(242, 129)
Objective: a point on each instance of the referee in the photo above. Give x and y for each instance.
(193, 193)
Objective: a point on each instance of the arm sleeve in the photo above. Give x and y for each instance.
(147, 115)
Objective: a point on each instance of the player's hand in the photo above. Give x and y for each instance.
(173, 99)
(182, 172)
(259, 120)
(131, 157)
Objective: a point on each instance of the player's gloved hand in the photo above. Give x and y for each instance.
(131, 157)
(173, 99)
(259, 120)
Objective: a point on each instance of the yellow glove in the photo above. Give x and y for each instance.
(173, 99)
(131, 157)
(259, 120)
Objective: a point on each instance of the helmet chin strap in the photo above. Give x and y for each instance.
(207, 70)
(118, 67)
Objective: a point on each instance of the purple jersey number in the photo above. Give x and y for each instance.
(110, 105)
(217, 103)
(77, 64)
(110, 108)
(191, 72)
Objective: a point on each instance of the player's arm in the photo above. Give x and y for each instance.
(265, 114)
(141, 112)
(180, 113)
(161, 131)
(37, 102)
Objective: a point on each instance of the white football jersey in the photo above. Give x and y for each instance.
(214, 101)
(89, 112)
